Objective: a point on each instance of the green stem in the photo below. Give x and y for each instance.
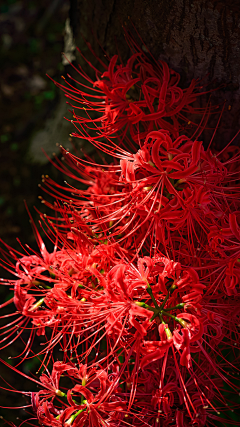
(62, 394)
(40, 284)
(72, 418)
(154, 316)
(173, 287)
(142, 304)
(37, 304)
(176, 307)
(177, 319)
(149, 290)
(161, 318)
(170, 291)
(165, 300)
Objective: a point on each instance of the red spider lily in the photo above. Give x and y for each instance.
(92, 406)
(171, 185)
(141, 290)
(140, 96)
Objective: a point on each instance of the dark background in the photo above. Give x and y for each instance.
(32, 39)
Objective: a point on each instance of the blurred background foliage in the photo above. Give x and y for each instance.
(32, 39)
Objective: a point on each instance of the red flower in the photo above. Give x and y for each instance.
(141, 290)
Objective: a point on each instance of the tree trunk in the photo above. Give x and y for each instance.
(197, 38)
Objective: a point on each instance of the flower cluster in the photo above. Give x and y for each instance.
(141, 291)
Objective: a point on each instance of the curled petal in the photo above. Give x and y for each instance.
(84, 391)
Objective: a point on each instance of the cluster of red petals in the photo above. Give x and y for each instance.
(138, 305)
(136, 98)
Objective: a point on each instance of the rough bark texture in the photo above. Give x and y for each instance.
(198, 38)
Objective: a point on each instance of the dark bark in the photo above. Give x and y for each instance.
(197, 38)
